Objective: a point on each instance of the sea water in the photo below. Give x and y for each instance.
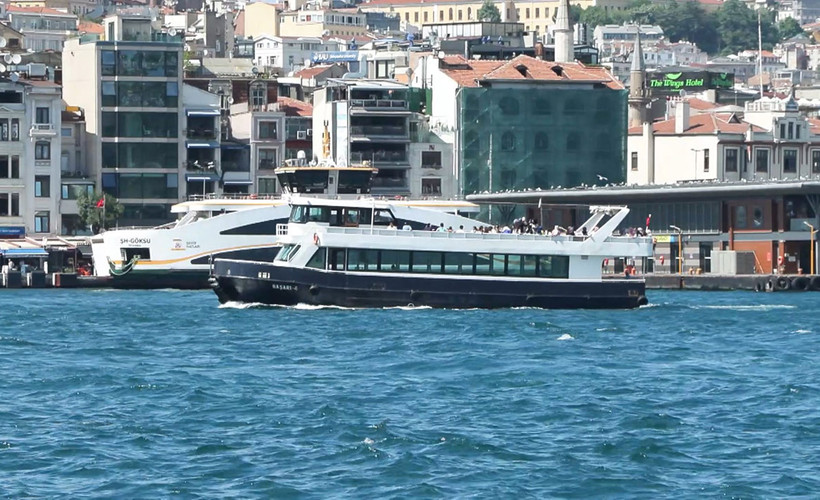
(160, 394)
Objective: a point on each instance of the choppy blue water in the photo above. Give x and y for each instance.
(155, 394)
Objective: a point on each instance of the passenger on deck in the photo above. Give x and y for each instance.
(441, 228)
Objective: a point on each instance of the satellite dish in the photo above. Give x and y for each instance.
(7, 58)
(16, 59)
(172, 32)
(2, 68)
(15, 76)
(230, 100)
(3, 41)
(255, 70)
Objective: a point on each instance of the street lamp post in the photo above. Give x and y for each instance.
(696, 151)
(680, 247)
(811, 244)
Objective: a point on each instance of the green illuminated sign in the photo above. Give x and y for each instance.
(692, 80)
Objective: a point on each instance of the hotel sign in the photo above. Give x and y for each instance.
(689, 80)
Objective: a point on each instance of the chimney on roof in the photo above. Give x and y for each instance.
(681, 117)
(564, 47)
(539, 51)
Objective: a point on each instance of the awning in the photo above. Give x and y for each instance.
(241, 183)
(202, 144)
(14, 253)
(201, 177)
(235, 146)
(202, 112)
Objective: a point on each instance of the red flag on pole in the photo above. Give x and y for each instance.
(101, 202)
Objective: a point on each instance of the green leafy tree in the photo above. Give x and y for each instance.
(99, 218)
(594, 16)
(489, 12)
(788, 28)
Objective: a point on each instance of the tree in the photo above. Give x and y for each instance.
(788, 28)
(489, 12)
(594, 16)
(92, 215)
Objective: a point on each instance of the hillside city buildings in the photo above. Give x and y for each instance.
(154, 103)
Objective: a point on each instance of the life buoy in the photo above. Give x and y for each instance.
(662, 259)
(315, 239)
(780, 261)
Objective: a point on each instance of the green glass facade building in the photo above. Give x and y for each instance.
(519, 136)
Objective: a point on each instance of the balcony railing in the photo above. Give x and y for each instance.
(43, 130)
(379, 131)
(379, 157)
(267, 165)
(201, 134)
(388, 183)
(203, 165)
(395, 104)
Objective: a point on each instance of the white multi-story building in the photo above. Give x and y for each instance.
(773, 141)
(608, 36)
(42, 28)
(29, 159)
(289, 53)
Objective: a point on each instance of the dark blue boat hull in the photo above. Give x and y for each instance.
(262, 282)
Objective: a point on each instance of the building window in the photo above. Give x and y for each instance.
(9, 167)
(573, 142)
(789, 161)
(431, 186)
(425, 16)
(541, 141)
(507, 141)
(815, 161)
(730, 160)
(431, 159)
(9, 204)
(416, 17)
(509, 106)
(42, 150)
(705, 160)
(460, 12)
(791, 130)
(15, 129)
(450, 14)
(42, 186)
(469, 13)
(258, 96)
(740, 217)
(267, 130)
(537, 12)
(41, 222)
(267, 158)
(761, 160)
(634, 161)
(757, 217)
(65, 131)
(267, 185)
(41, 115)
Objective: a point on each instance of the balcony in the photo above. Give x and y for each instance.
(201, 165)
(380, 104)
(267, 165)
(201, 134)
(396, 132)
(377, 158)
(43, 130)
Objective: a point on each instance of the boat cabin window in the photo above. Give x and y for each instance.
(130, 253)
(287, 252)
(354, 182)
(464, 263)
(317, 261)
(340, 216)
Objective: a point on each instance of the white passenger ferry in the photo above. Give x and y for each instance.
(177, 255)
(326, 261)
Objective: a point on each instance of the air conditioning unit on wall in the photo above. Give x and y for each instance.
(301, 134)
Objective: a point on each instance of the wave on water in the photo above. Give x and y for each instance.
(242, 305)
(566, 336)
(802, 331)
(755, 307)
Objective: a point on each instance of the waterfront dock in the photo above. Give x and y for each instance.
(751, 282)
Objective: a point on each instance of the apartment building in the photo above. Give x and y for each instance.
(42, 28)
(29, 157)
(129, 85)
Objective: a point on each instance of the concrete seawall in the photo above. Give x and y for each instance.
(752, 282)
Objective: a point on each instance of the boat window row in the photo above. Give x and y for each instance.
(463, 263)
(287, 252)
(340, 216)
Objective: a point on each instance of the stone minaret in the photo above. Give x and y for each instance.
(564, 45)
(638, 93)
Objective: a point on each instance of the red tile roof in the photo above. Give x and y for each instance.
(700, 104)
(37, 10)
(313, 71)
(467, 73)
(814, 125)
(90, 27)
(704, 124)
(294, 107)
